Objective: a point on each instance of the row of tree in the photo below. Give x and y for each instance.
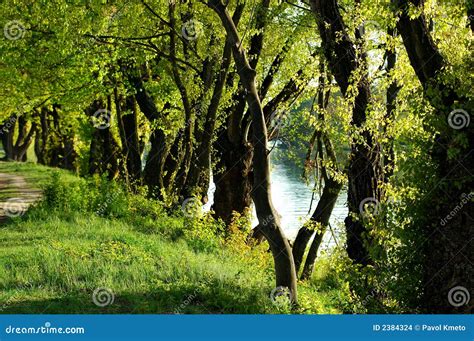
(167, 94)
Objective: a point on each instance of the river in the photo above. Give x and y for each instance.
(292, 197)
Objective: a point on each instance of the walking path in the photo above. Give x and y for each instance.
(15, 196)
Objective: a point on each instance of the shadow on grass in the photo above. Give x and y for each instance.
(176, 300)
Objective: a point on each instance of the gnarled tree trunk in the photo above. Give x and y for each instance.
(16, 150)
(331, 188)
(127, 113)
(364, 164)
(104, 150)
(267, 216)
(447, 252)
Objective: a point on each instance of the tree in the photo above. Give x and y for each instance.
(349, 69)
(445, 244)
(268, 218)
(16, 149)
(326, 162)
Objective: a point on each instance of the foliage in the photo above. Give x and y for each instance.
(64, 56)
(65, 255)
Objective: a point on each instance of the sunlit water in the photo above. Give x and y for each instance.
(292, 198)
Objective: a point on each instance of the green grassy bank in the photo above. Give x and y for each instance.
(88, 235)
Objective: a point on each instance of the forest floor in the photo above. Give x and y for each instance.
(60, 257)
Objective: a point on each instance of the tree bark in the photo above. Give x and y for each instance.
(186, 142)
(233, 177)
(16, 149)
(267, 216)
(159, 152)
(321, 215)
(7, 130)
(103, 151)
(128, 128)
(331, 188)
(364, 163)
(447, 249)
(41, 138)
(199, 177)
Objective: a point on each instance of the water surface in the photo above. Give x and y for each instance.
(292, 198)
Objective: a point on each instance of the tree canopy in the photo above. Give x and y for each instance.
(372, 98)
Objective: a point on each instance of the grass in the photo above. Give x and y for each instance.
(88, 235)
(35, 175)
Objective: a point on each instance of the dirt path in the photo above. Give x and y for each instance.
(15, 196)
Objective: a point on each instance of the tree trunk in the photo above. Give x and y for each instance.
(16, 150)
(41, 138)
(130, 124)
(364, 163)
(233, 178)
(447, 250)
(159, 152)
(267, 216)
(391, 98)
(128, 128)
(331, 188)
(186, 143)
(321, 215)
(155, 162)
(103, 152)
(6, 135)
(199, 177)
(22, 145)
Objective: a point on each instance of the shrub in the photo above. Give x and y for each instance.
(97, 195)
